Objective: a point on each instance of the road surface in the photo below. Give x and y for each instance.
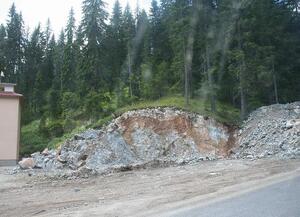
(278, 200)
(159, 191)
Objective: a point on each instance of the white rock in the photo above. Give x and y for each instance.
(27, 163)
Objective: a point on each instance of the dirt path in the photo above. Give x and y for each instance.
(136, 193)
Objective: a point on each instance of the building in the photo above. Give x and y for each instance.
(10, 115)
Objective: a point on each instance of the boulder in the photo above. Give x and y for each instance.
(27, 163)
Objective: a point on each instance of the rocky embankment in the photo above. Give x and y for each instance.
(168, 136)
(151, 137)
(270, 131)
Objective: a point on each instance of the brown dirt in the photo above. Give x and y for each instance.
(184, 126)
(135, 193)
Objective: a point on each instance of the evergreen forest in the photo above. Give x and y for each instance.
(227, 56)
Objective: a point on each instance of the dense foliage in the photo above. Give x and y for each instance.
(244, 53)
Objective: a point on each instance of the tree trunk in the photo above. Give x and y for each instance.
(243, 102)
(188, 50)
(275, 82)
(186, 79)
(241, 76)
(130, 72)
(188, 60)
(61, 81)
(210, 82)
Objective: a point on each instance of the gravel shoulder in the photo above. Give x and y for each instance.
(145, 192)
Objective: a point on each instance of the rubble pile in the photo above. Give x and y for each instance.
(271, 131)
(153, 137)
(168, 136)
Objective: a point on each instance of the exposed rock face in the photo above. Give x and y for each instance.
(164, 136)
(271, 131)
(155, 133)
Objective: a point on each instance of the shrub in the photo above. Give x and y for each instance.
(97, 104)
(69, 104)
(55, 128)
(31, 139)
(69, 125)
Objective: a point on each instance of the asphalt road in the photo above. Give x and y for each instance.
(277, 200)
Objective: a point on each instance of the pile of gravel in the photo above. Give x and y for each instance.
(271, 131)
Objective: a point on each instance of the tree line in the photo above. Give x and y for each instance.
(242, 52)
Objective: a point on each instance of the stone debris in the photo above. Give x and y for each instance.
(168, 136)
(27, 163)
(142, 138)
(271, 131)
(45, 152)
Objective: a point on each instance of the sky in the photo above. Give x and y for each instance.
(35, 11)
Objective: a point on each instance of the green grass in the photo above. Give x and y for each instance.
(225, 113)
(56, 142)
(32, 140)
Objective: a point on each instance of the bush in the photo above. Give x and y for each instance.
(53, 108)
(92, 104)
(55, 128)
(31, 139)
(69, 125)
(123, 97)
(69, 104)
(97, 104)
(49, 128)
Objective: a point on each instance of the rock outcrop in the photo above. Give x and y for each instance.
(159, 136)
(168, 136)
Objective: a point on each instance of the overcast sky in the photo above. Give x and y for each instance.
(35, 11)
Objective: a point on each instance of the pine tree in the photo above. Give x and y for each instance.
(155, 22)
(115, 47)
(189, 52)
(2, 48)
(34, 53)
(48, 32)
(14, 44)
(157, 40)
(128, 29)
(241, 52)
(141, 51)
(71, 28)
(49, 64)
(128, 25)
(93, 27)
(59, 61)
(69, 65)
(178, 30)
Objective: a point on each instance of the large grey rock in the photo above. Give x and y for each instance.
(27, 163)
(110, 151)
(88, 134)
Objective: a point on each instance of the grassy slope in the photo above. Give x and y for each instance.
(32, 141)
(225, 113)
